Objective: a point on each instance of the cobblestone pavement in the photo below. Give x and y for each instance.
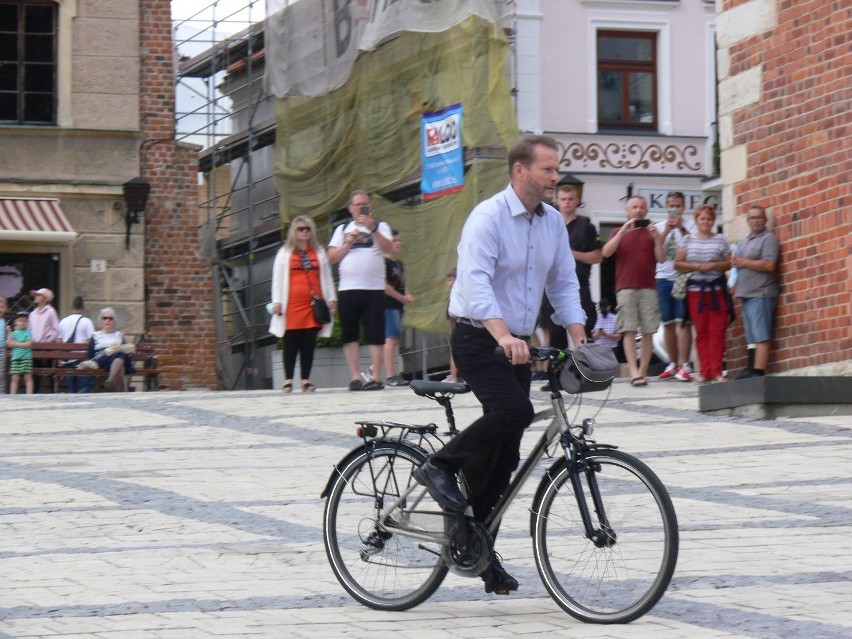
(197, 514)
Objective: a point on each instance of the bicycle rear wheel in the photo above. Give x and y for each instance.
(621, 575)
(380, 569)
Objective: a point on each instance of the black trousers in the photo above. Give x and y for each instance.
(299, 343)
(488, 450)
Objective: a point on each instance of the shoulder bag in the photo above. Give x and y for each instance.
(322, 314)
(680, 286)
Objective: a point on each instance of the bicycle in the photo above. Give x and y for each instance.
(604, 530)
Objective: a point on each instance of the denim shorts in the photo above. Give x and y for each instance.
(393, 323)
(758, 316)
(671, 308)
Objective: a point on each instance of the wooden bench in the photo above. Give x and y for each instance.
(47, 357)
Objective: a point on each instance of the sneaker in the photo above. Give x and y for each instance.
(683, 374)
(372, 385)
(539, 376)
(747, 373)
(396, 381)
(671, 371)
(356, 385)
(450, 379)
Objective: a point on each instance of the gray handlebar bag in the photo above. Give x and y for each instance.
(590, 367)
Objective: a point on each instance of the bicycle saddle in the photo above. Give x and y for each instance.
(426, 388)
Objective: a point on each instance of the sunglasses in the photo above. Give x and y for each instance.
(107, 317)
(303, 228)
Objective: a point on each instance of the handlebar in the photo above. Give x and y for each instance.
(539, 353)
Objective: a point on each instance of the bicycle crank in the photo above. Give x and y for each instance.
(470, 548)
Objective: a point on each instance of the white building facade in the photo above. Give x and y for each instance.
(628, 89)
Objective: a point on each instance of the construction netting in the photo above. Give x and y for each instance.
(366, 134)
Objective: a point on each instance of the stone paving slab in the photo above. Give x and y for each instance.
(197, 514)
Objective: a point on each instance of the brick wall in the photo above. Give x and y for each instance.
(794, 140)
(179, 291)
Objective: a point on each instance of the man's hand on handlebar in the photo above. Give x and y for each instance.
(515, 349)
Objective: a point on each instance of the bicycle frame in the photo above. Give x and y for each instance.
(558, 427)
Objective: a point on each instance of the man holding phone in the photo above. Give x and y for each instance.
(637, 247)
(360, 246)
(676, 329)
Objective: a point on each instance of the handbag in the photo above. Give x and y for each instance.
(590, 367)
(681, 283)
(322, 314)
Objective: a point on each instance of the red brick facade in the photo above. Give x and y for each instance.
(799, 166)
(178, 285)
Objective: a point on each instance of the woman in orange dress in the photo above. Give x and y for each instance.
(300, 272)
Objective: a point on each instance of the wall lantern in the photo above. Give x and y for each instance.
(135, 199)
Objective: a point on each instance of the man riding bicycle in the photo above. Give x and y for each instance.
(513, 249)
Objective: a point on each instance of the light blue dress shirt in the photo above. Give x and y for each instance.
(507, 259)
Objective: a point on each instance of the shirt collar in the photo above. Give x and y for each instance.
(516, 207)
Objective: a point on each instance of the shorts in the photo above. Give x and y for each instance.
(393, 323)
(758, 316)
(638, 310)
(671, 309)
(20, 366)
(357, 307)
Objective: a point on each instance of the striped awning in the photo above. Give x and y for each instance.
(34, 220)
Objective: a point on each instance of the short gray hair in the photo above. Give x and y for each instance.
(109, 310)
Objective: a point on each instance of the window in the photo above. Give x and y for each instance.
(627, 79)
(27, 62)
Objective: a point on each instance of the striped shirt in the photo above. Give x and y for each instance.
(701, 251)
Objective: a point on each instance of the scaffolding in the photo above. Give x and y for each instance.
(222, 110)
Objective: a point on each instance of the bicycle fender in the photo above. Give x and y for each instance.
(546, 480)
(548, 476)
(357, 452)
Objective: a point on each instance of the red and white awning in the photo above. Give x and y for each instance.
(34, 220)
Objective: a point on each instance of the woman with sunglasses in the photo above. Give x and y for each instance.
(109, 350)
(300, 272)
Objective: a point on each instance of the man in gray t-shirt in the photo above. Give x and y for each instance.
(756, 261)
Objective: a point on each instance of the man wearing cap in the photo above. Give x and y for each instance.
(43, 322)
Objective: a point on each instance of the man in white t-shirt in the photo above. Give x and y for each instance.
(677, 332)
(76, 328)
(359, 247)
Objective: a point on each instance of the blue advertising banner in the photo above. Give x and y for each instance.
(443, 157)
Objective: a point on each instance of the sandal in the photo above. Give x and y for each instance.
(639, 381)
(307, 387)
(287, 388)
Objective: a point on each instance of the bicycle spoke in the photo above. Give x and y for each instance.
(599, 582)
(378, 567)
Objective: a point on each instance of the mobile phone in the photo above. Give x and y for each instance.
(673, 213)
(642, 223)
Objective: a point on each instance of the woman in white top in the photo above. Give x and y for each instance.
(109, 350)
(301, 271)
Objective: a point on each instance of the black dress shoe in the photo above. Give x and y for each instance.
(745, 374)
(441, 484)
(497, 580)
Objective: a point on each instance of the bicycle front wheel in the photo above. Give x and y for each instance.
(379, 568)
(623, 570)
